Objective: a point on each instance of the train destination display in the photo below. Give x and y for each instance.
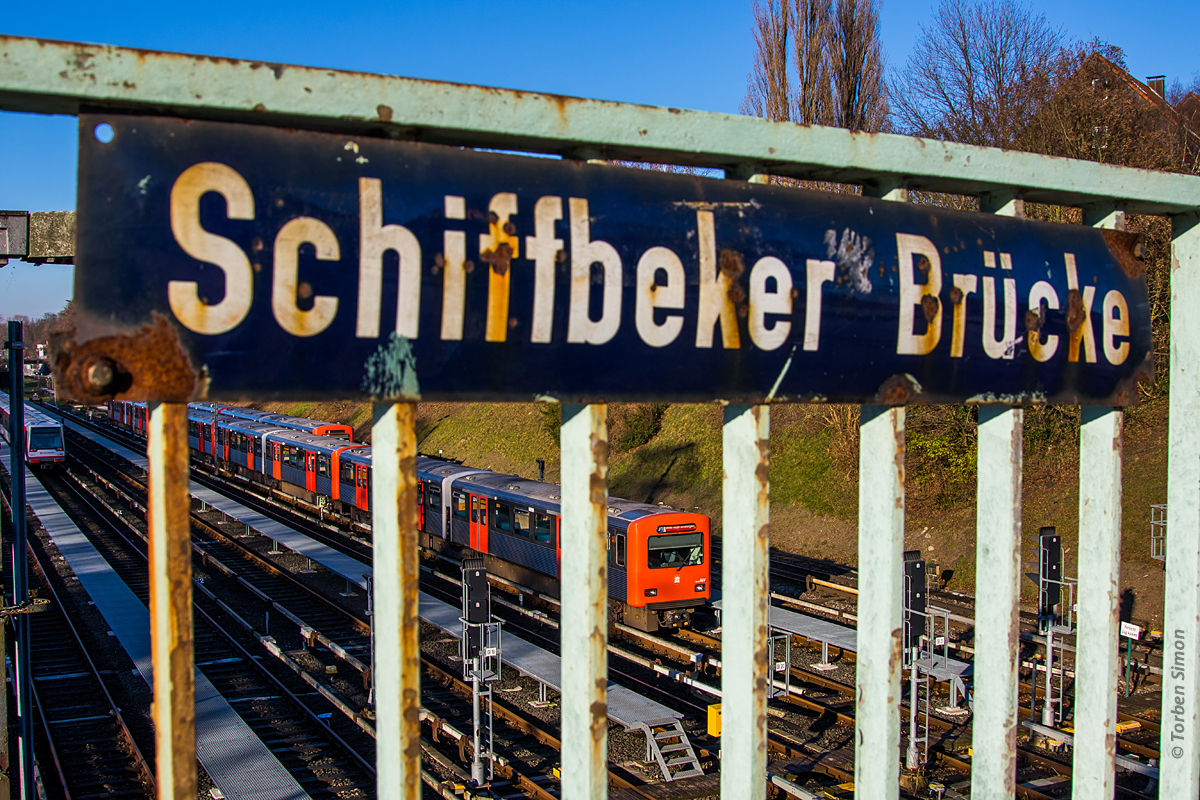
(246, 262)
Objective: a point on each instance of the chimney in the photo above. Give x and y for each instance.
(1158, 84)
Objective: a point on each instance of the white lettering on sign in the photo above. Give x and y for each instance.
(764, 294)
(375, 240)
(544, 250)
(914, 294)
(1041, 297)
(297, 232)
(581, 327)
(183, 296)
(652, 295)
(1116, 323)
(767, 299)
(965, 286)
(454, 277)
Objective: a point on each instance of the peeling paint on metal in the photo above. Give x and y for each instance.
(854, 257)
(391, 371)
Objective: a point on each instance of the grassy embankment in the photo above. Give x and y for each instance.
(672, 454)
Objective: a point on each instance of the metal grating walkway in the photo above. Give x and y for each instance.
(233, 756)
(820, 630)
(624, 706)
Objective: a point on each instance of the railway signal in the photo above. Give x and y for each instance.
(1054, 616)
(915, 617)
(479, 648)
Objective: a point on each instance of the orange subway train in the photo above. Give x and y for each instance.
(659, 559)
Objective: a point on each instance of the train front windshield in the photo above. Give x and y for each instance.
(45, 439)
(678, 550)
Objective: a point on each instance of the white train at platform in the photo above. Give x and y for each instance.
(42, 440)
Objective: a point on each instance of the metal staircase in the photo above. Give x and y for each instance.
(665, 737)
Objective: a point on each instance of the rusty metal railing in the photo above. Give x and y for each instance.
(53, 77)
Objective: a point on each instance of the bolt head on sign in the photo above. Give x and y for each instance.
(249, 262)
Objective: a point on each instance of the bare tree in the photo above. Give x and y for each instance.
(818, 62)
(768, 95)
(979, 72)
(812, 28)
(856, 68)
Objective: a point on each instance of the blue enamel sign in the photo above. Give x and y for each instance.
(245, 262)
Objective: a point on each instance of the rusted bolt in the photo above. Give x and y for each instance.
(99, 374)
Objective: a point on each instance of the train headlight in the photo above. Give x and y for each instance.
(652, 593)
(700, 587)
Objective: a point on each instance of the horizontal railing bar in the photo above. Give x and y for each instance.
(52, 77)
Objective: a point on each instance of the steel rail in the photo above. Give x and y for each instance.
(132, 545)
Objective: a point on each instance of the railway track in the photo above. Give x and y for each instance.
(324, 763)
(337, 636)
(825, 699)
(93, 751)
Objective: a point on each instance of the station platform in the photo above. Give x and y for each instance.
(829, 633)
(236, 760)
(348, 567)
(624, 706)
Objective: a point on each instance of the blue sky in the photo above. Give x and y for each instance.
(686, 54)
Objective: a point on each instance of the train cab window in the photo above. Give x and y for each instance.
(619, 547)
(502, 517)
(322, 464)
(434, 494)
(678, 550)
(45, 439)
(543, 528)
(521, 522)
(458, 505)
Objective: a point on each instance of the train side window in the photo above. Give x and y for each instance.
(502, 517)
(434, 494)
(458, 504)
(521, 522)
(347, 471)
(322, 464)
(474, 509)
(543, 528)
(362, 477)
(620, 559)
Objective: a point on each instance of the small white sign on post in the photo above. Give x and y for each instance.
(1131, 631)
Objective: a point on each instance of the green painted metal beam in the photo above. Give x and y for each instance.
(51, 77)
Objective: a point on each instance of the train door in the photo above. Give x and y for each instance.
(479, 523)
(361, 494)
(277, 458)
(310, 471)
(420, 506)
(224, 444)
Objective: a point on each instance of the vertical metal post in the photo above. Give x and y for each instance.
(171, 601)
(1097, 660)
(746, 668)
(1180, 745)
(22, 678)
(997, 618)
(396, 602)
(5, 772)
(584, 630)
(880, 611)
(997, 555)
